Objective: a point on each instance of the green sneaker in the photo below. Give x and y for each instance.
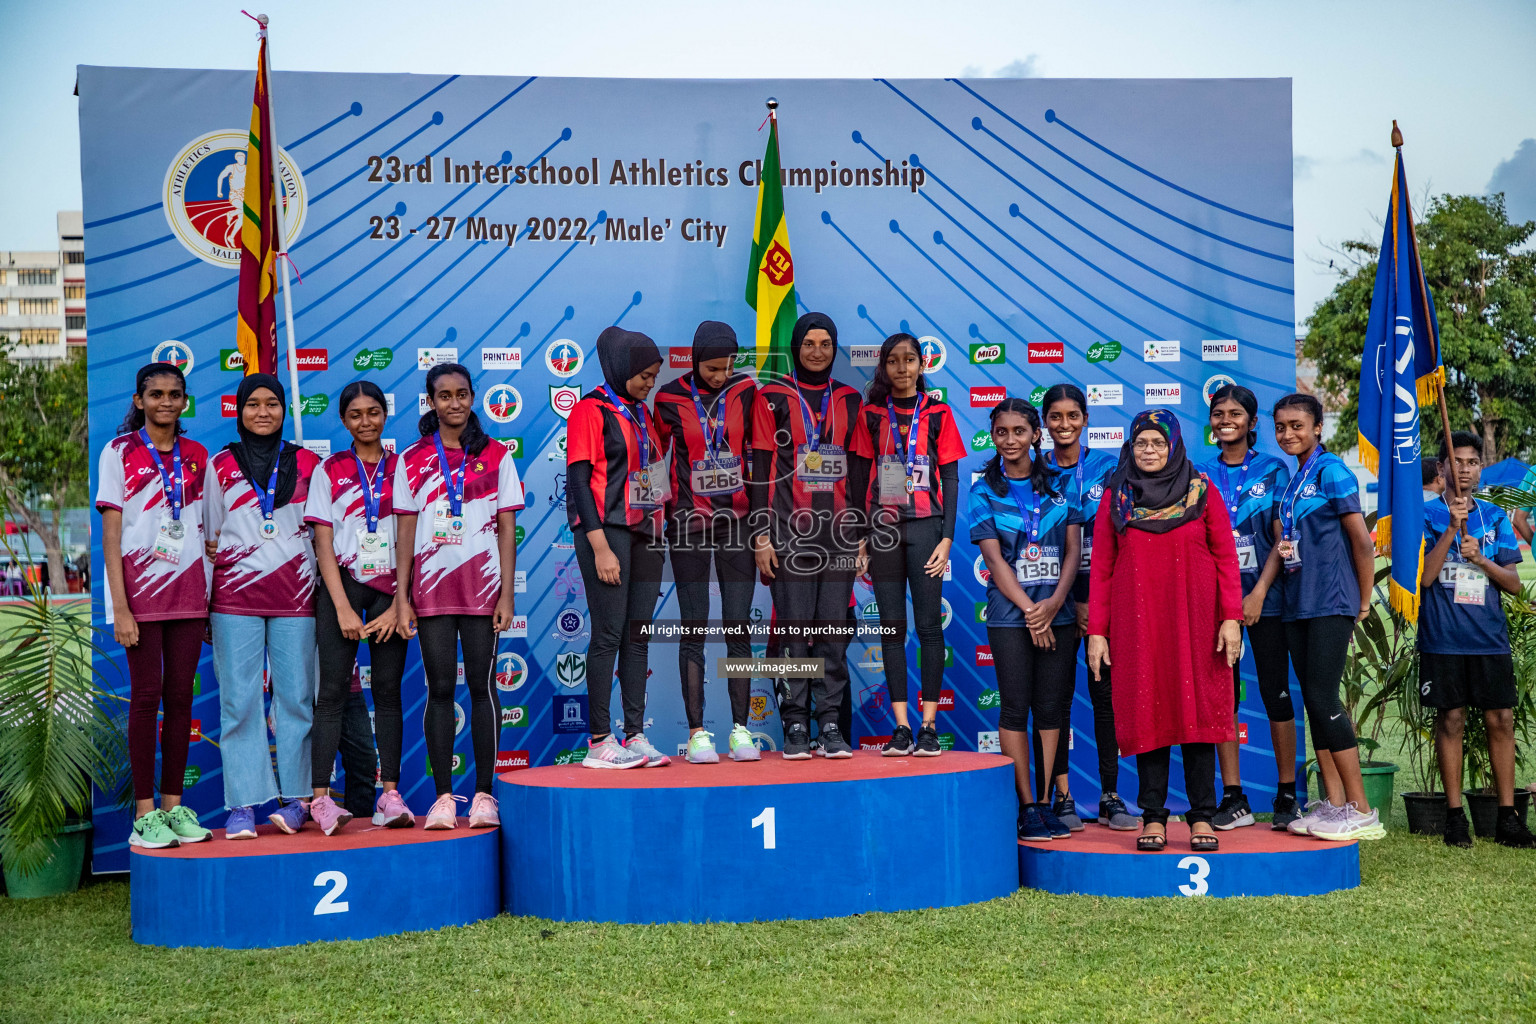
(701, 748)
(153, 832)
(742, 747)
(184, 824)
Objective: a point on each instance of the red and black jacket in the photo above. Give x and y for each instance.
(938, 438)
(677, 419)
(605, 438)
(779, 425)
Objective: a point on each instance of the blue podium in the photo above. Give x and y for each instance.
(765, 840)
(281, 890)
(1252, 861)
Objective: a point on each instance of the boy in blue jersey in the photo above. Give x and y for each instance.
(1464, 655)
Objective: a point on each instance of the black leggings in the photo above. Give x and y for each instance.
(338, 656)
(734, 569)
(441, 637)
(1272, 665)
(812, 586)
(1319, 648)
(1199, 782)
(614, 607)
(1033, 678)
(1103, 731)
(357, 757)
(896, 557)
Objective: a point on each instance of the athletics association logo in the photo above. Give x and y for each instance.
(933, 353)
(946, 614)
(1213, 384)
(177, 353)
(502, 403)
(563, 399)
(983, 574)
(511, 672)
(204, 195)
(564, 358)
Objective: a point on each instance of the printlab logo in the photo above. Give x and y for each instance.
(1160, 351)
(519, 627)
(511, 672)
(204, 196)
(1106, 394)
(501, 359)
(502, 403)
(933, 353)
(1163, 392)
(373, 359)
(1106, 437)
(1214, 384)
(571, 670)
(426, 358)
(563, 399)
(991, 352)
(864, 355)
(177, 353)
(1104, 351)
(571, 623)
(1212, 351)
(564, 358)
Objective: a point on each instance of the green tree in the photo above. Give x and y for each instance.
(1484, 283)
(43, 428)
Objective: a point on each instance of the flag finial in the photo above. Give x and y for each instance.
(772, 103)
(1397, 136)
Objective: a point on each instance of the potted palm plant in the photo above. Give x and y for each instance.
(58, 735)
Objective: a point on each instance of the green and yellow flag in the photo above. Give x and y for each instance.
(771, 272)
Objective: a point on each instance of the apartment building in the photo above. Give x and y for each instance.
(42, 296)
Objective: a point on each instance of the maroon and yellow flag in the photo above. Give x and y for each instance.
(256, 330)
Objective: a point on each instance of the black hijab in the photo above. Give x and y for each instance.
(1156, 502)
(255, 452)
(803, 326)
(712, 340)
(624, 354)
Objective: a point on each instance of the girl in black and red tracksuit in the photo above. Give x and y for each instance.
(705, 421)
(905, 474)
(805, 537)
(616, 487)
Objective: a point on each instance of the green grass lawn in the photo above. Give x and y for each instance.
(1432, 934)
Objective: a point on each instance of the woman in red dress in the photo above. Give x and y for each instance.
(1165, 607)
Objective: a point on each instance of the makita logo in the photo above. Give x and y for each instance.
(511, 760)
(984, 655)
(680, 358)
(227, 406)
(982, 398)
(873, 742)
(1047, 352)
(312, 359)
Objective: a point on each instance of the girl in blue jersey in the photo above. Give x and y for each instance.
(1251, 482)
(1081, 472)
(1328, 562)
(1030, 537)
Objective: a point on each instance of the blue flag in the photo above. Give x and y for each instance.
(1400, 372)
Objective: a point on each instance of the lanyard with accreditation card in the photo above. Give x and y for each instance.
(902, 473)
(173, 531)
(1288, 546)
(448, 521)
(715, 474)
(648, 484)
(372, 546)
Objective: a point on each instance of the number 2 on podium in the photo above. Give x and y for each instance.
(770, 835)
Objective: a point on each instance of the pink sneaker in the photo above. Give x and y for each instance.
(483, 813)
(391, 812)
(443, 813)
(327, 815)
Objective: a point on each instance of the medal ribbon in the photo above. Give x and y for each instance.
(455, 487)
(1050, 458)
(170, 479)
(713, 445)
(1030, 515)
(1293, 492)
(1234, 497)
(372, 498)
(812, 424)
(641, 425)
(908, 452)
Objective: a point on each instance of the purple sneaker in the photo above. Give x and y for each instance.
(241, 823)
(327, 815)
(291, 816)
(391, 812)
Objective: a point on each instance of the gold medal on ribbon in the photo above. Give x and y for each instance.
(813, 461)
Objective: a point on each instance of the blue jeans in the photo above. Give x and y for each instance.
(239, 641)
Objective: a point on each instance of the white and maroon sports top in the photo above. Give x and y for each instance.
(336, 500)
(464, 578)
(251, 576)
(158, 590)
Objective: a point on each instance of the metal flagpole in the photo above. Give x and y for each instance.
(282, 247)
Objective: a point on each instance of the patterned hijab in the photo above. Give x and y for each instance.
(1160, 501)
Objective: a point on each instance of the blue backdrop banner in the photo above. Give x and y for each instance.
(1131, 236)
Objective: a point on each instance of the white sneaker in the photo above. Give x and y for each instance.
(1318, 811)
(642, 746)
(1347, 823)
(610, 753)
(444, 813)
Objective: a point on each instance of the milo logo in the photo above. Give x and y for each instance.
(314, 405)
(988, 353)
(373, 359)
(981, 441)
(1037, 396)
(1104, 351)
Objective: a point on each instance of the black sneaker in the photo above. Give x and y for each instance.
(1115, 815)
(797, 743)
(1287, 810)
(1065, 810)
(1511, 831)
(928, 742)
(900, 744)
(833, 744)
(1234, 812)
(1456, 831)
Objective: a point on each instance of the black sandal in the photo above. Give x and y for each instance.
(1204, 842)
(1151, 842)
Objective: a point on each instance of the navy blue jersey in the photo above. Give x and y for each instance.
(1253, 514)
(1446, 627)
(1001, 519)
(1083, 484)
(1324, 583)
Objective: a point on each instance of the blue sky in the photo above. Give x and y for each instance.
(1459, 78)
